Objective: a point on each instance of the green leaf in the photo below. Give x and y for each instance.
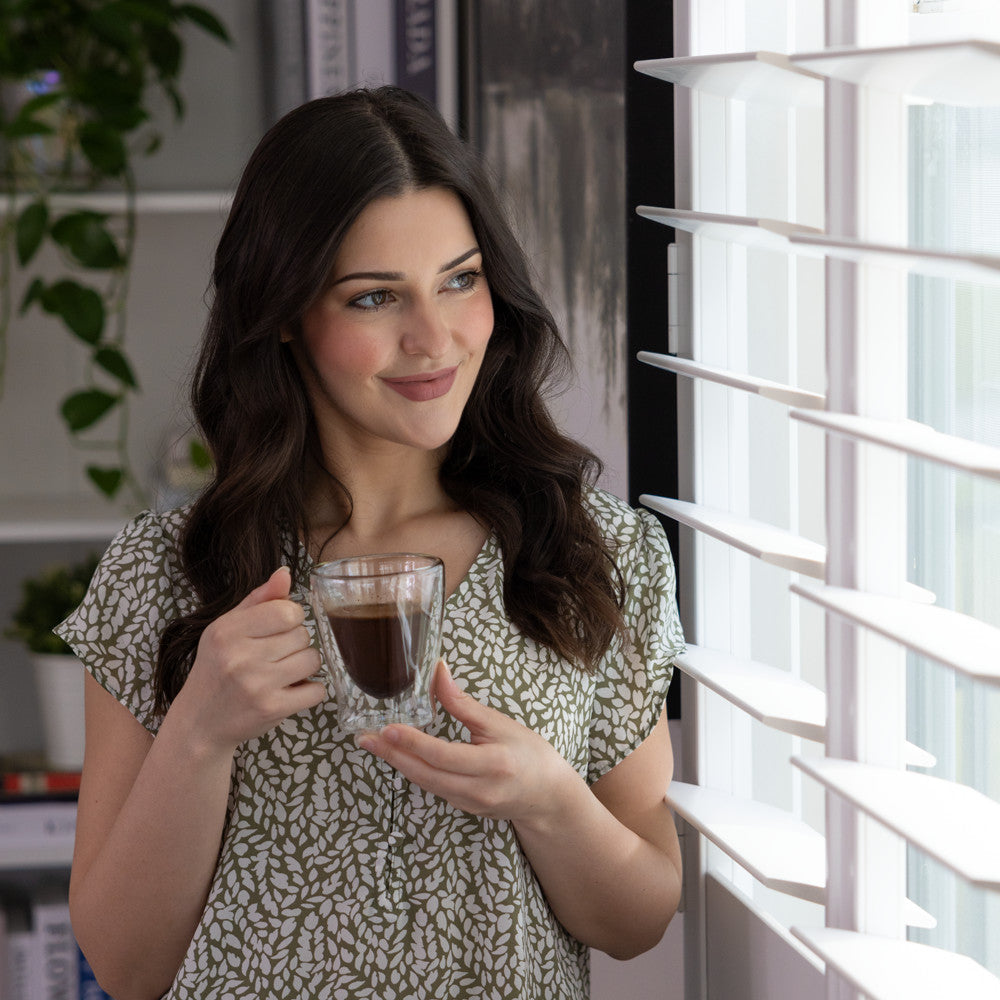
(199, 455)
(24, 128)
(108, 481)
(32, 224)
(104, 148)
(115, 363)
(86, 407)
(32, 295)
(84, 236)
(165, 51)
(205, 19)
(79, 307)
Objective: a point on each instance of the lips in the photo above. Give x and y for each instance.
(425, 386)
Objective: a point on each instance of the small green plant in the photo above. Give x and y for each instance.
(83, 72)
(46, 600)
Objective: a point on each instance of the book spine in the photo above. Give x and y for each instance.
(330, 50)
(59, 968)
(39, 782)
(416, 47)
(28, 822)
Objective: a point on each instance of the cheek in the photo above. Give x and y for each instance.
(338, 349)
(479, 321)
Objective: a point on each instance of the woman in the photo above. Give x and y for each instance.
(371, 380)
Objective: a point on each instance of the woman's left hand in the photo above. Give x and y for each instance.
(506, 771)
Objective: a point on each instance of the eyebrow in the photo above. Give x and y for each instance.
(398, 275)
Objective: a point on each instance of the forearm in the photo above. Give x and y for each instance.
(608, 886)
(137, 901)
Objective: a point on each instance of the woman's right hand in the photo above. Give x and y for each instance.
(251, 669)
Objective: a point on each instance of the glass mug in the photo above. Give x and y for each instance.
(379, 620)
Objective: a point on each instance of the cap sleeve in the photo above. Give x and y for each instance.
(634, 679)
(116, 629)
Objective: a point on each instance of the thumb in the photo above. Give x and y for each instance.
(277, 587)
(457, 703)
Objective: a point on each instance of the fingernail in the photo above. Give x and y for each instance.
(367, 743)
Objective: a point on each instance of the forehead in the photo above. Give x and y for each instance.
(430, 221)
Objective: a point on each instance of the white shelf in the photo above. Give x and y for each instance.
(958, 641)
(953, 823)
(768, 234)
(19, 857)
(59, 519)
(147, 202)
(769, 77)
(982, 268)
(887, 969)
(781, 852)
(910, 437)
(777, 391)
(956, 72)
(763, 541)
(773, 697)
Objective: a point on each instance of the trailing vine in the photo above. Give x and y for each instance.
(86, 70)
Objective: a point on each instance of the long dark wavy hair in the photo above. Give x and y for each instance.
(508, 465)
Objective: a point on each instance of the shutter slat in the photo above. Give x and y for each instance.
(887, 969)
(772, 696)
(769, 77)
(780, 851)
(748, 383)
(953, 823)
(770, 234)
(963, 72)
(764, 541)
(935, 263)
(910, 437)
(958, 641)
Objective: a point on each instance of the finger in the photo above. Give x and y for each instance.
(277, 586)
(301, 696)
(276, 647)
(274, 618)
(298, 666)
(406, 748)
(460, 705)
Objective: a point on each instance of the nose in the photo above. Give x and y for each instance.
(426, 330)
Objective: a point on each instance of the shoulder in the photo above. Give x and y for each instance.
(147, 546)
(620, 524)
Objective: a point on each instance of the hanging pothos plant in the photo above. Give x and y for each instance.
(77, 77)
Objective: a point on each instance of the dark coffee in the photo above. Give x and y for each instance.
(379, 646)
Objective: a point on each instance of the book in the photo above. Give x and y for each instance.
(20, 784)
(57, 957)
(19, 954)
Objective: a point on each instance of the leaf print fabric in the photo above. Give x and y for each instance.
(337, 878)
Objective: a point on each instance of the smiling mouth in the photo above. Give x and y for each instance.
(423, 387)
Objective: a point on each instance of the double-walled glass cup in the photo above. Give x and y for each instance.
(379, 620)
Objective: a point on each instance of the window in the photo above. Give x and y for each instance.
(836, 560)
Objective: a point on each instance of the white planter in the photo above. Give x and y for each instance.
(59, 680)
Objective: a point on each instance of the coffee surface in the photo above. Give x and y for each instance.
(379, 646)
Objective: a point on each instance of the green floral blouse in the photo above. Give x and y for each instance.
(337, 879)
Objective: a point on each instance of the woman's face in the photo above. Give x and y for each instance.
(392, 348)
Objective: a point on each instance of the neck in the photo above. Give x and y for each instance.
(388, 489)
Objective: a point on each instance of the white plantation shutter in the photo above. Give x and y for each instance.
(830, 855)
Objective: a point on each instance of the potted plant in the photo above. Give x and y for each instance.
(46, 600)
(76, 77)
